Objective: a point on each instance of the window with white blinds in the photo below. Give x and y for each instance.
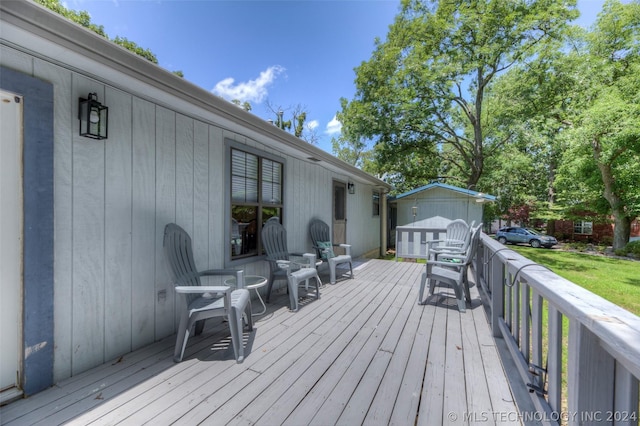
(244, 177)
(256, 196)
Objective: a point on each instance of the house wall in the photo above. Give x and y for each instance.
(602, 232)
(438, 202)
(160, 164)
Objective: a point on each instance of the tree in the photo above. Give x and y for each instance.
(297, 124)
(421, 95)
(355, 151)
(133, 47)
(529, 106)
(83, 18)
(601, 165)
(244, 105)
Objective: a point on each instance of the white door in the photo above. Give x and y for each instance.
(10, 239)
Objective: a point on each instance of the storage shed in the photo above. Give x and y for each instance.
(436, 199)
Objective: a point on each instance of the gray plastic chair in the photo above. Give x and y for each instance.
(274, 241)
(451, 269)
(203, 302)
(297, 273)
(322, 243)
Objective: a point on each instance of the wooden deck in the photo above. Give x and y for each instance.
(365, 353)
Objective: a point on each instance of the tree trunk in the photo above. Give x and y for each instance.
(621, 221)
(621, 230)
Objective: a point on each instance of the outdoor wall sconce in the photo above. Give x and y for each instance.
(94, 117)
(351, 187)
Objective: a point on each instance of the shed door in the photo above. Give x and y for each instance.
(11, 240)
(339, 214)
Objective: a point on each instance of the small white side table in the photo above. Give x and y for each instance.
(251, 282)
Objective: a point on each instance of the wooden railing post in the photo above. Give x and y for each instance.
(626, 397)
(591, 377)
(554, 359)
(496, 284)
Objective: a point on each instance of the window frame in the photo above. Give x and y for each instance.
(375, 200)
(579, 227)
(230, 146)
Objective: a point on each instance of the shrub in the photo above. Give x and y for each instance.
(633, 247)
(601, 248)
(606, 240)
(577, 245)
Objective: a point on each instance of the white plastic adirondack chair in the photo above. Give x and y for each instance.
(321, 239)
(451, 270)
(203, 302)
(458, 236)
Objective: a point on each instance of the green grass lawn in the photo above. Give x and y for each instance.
(617, 280)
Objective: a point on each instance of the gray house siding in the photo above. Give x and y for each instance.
(164, 161)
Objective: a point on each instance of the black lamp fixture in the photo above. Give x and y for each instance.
(94, 117)
(351, 187)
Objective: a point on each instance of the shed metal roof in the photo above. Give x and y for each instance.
(457, 189)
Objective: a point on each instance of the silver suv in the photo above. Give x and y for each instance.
(516, 235)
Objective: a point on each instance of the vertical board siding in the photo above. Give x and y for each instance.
(165, 212)
(143, 237)
(118, 254)
(18, 61)
(88, 243)
(201, 194)
(113, 198)
(184, 189)
(216, 197)
(184, 173)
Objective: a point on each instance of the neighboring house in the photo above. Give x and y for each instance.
(89, 214)
(436, 199)
(589, 231)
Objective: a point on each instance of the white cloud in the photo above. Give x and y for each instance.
(333, 127)
(312, 124)
(254, 91)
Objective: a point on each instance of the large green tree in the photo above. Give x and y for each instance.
(529, 106)
(601, 163)
(422, 93)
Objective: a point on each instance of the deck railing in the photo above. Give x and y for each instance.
(528, 306)
(411, 242)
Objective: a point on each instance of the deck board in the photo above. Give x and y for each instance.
(364, 353)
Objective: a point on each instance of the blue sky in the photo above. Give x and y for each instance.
(296, 52)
